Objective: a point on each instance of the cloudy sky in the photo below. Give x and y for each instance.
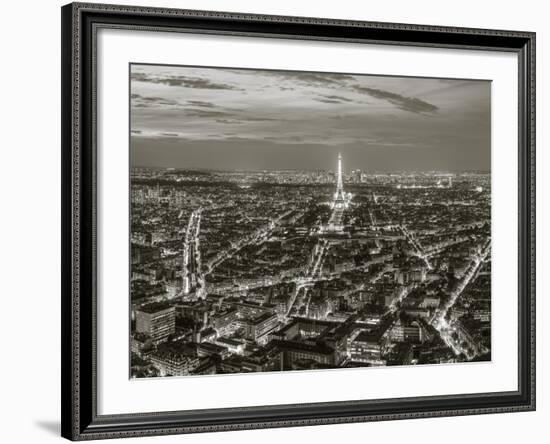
(188, 117)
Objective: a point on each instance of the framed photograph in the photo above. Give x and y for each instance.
(281, 221)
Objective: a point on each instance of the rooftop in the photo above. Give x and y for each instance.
(154, 307)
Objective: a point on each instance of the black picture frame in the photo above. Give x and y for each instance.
(80, 420)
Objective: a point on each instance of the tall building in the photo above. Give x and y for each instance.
(340, 203)
(175, 359)
(157, 320)
(339, 196)
(191, 279)
(185, 265)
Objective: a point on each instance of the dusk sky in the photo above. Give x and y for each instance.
(187, 117)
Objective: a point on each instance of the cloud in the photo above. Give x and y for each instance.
(322, 111)
(319, 79)
(334, 99)
(206, 113)
(240, 120)
(230, 121)
(183, 81)
(201, 103)
(411, 104)
(328, 101)
(261, 119)
(294, 80)
(338, 98)
(138, 100)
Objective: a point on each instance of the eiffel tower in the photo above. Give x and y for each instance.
(339, 196)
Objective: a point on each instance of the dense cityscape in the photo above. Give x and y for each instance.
(255, 271)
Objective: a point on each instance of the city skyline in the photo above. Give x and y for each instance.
(232, 278)
(234, 119)
(263, 240)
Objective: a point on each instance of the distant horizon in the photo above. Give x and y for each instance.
(310, 170)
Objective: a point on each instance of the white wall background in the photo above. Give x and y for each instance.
(30, 219)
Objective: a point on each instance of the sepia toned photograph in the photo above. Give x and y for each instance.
(292, 220)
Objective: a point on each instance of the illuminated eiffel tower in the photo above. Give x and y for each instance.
(339, 204)
(339, 196)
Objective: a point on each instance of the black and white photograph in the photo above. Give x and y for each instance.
(296, 220)
(275, 222)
